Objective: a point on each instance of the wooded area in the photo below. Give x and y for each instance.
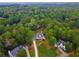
(19, 23)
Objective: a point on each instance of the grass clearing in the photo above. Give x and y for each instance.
(44, 51)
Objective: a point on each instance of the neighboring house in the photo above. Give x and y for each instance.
(13, 53)
(39, 36)
(60, 44)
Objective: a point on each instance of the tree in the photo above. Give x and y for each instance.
(69, 46)
(3, 51)
(2, 29)
(23, 35)
(77, 51)
(52, 41)
(7, 36)
(21, 53)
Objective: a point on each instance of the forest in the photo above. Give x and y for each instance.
(19, 23)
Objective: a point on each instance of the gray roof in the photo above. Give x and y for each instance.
(15, 50)
(61, 42)
(39, 36)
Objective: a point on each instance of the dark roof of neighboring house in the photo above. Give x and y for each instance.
(60, 41)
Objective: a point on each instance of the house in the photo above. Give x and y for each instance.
(39, 36)
(60, 44)
(13, 53)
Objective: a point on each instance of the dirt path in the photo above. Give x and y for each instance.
(46, 43)
(62, 53)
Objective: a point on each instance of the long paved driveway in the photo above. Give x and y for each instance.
(35, 48)
(27, 50)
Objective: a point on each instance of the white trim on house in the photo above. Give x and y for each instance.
(10, 54)
(60, 45)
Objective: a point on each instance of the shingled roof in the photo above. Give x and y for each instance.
(39, 36)
(15, 51)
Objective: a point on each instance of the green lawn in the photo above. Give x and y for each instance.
(46, 52)
(21, 53)
(32, 53)
(43, 50)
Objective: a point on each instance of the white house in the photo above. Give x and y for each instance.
(60, 44)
